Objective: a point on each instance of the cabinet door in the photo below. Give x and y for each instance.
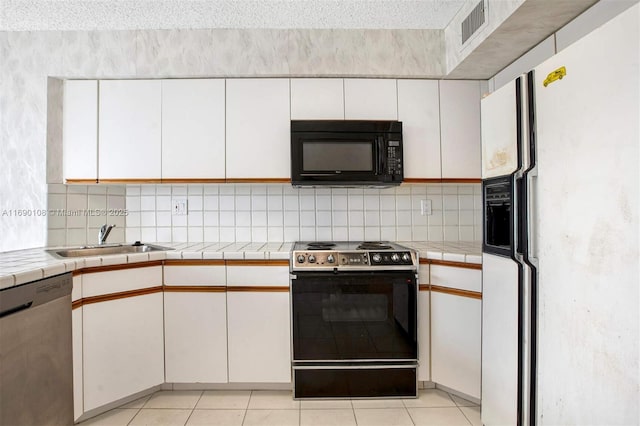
(193, 116)
(258, 129)
(195, 323)
(370, 99)
(123, 348)
(460, 129)
(419, 111)
(317, 99)
(129, 131)
(122, 336)
(258, 324)
(76, 330)
(455, 342)
(259, 337)
(80, 129)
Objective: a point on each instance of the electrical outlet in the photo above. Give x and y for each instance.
(179, 206)
(425, 207)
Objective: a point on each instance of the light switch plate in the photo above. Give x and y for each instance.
(179, 206)
(425, 207)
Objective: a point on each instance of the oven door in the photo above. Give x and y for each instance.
(354, 316)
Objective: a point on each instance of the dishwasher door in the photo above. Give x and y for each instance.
(36, 376)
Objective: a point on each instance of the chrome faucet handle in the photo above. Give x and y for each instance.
(104, 233)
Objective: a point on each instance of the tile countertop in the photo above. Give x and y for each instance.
(21, 266)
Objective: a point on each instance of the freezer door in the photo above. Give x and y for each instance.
(499, 132)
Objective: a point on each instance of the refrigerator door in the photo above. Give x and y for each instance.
(499, 340)
(499, 133)
(587, 230)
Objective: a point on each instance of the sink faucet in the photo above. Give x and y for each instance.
(104, 233)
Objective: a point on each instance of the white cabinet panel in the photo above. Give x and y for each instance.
(317, 99)
(455, 342)
(122, 348)
(460, 129)
(130, 129)
(78, 390)
(259, 337)
(424, 331)
(195, 337)
(370, 99)
(258, 128)
(499, 133)
(419, 111)
(80, 129)
(193, 128)
(76, 329)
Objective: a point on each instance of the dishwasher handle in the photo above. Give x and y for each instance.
(16, 309)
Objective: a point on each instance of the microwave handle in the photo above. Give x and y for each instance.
(379, 157)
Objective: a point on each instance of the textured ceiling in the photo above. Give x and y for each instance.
(34, 15)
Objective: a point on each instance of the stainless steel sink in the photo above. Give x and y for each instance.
(105, 250)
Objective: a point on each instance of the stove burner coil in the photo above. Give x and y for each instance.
(320, 245)
(373, 245)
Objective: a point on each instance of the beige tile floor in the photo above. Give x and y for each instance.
(276, 408)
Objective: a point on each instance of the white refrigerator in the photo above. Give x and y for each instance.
(561, 184)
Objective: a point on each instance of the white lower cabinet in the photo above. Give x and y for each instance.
(195, 324)
(258, 324)
(424, 326)
(455, 342)
(76, 336)
(122, 334)
(456, 315)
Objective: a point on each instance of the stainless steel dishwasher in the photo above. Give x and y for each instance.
(36, 375)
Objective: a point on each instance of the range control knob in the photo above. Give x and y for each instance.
(395, 257)
(312, 258)
(330, 258)
(406, 257)
(300, 258)
(376, 258)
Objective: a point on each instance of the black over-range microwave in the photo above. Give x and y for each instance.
(346, 153)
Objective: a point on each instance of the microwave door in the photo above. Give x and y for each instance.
(326, 157)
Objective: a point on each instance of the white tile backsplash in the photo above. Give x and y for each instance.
(274, 212)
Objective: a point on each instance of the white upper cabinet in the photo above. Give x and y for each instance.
(193, 119)
(419, 111)
(317, 99)
(80, 129)
(130, 129)
(370, 99)
(460, 129)
(258, 129)
(499, 133)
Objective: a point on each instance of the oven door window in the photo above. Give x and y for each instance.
(354, 316)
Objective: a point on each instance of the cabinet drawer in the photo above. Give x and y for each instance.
(96, 284)
(258, 276)
(454, 277)
(204, 275)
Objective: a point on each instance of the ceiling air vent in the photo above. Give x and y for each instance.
(472, 22)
